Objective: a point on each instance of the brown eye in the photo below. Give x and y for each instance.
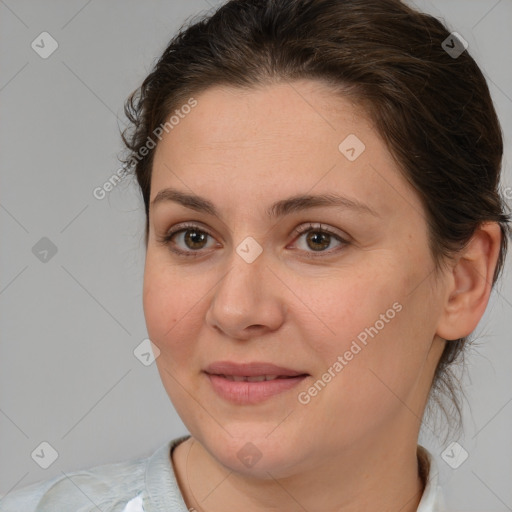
(194, 239)
(318, 239)
(186, 240)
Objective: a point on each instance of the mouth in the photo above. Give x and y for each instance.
(251, 383)
(258, 378)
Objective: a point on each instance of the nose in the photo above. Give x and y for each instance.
(248, 300)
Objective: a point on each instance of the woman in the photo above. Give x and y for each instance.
(323, 231)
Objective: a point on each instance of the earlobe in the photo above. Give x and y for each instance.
(470, 283)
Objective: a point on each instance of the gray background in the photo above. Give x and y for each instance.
(69, 326)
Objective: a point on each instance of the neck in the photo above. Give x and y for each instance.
(374, 478)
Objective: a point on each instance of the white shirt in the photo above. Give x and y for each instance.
(140, 485)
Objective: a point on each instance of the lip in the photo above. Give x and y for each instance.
(250, 369)
(248, 393)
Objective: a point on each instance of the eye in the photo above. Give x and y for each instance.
(193, 239)
(319, 238)
(191, 235)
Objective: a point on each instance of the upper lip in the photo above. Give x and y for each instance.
(255, 369)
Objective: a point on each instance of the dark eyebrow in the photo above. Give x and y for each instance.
(278, 209)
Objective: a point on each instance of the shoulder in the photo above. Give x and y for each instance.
(100, 487)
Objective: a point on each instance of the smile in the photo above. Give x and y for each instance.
(242, 390)
(251, 383)
(259, 378)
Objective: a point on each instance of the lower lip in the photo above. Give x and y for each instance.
(248, 393)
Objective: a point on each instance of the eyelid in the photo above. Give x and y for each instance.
(165, 239)
(299, 230)
(342, 239)
(312, 226)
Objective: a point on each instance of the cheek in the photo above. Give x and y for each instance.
(168, 302)
(169, 314)
(376, 325)
(347, 306)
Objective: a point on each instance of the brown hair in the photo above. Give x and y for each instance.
(433, 111)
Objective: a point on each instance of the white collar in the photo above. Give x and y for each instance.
(432, 499)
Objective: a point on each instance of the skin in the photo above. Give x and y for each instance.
(353, 446)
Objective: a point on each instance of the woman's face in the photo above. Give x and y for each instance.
(347, 312)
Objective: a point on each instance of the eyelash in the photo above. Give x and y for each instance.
(301, 230)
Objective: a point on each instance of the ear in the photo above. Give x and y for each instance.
(470, 283)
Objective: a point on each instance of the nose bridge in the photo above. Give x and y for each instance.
(244, 296)
(239, 287)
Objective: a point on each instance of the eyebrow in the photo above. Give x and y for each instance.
(278, 209)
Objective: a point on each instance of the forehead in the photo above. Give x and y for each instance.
(229, 118)
(274, 138)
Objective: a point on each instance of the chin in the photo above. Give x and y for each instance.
(252, 452)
